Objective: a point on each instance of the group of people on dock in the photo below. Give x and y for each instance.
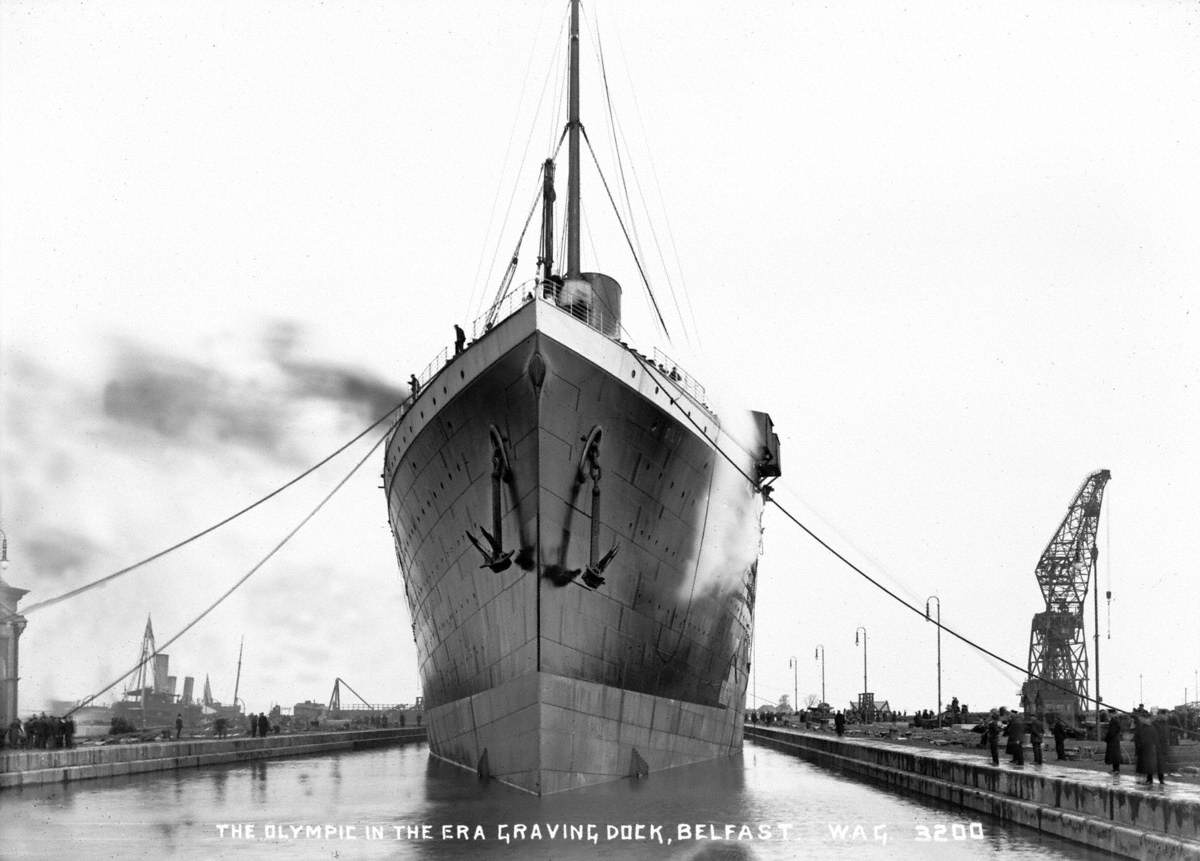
(1014, 726)
(260, 725)
(40, 731)
(1151, 740)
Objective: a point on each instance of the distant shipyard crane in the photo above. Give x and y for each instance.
(1058, 664)
(335, 698)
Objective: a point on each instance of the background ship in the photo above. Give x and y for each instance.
(578, 534)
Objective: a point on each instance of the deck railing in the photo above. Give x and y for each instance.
(594, 318)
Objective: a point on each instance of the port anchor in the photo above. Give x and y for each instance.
(496, 557)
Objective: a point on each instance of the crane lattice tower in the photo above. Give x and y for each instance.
(1058, 661)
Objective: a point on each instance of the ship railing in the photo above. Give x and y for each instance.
(595, 318)
(679, 376)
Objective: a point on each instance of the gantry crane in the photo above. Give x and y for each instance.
(1058, 662)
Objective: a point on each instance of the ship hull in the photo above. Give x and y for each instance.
(606, 632)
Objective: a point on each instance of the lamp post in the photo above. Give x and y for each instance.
(795, 664)
(864, 645)
(820, 652)
(939, 649)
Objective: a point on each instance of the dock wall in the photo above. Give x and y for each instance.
(1123, 820)
(33, 767)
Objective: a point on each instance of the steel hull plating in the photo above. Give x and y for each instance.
(563, 445)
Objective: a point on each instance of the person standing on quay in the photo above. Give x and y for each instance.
(1016, 738)
(264, 725)
(253, 725)
(1145, 747)
(1164, 741)
(1060, 736)
(839, 723)
(1112, 743)
(178, 725)
(1037, 729)
(992, 733)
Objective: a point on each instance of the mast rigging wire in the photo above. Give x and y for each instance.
(632, 250)
(661, 203)
(127, 569)
(475, 281)
(616, 131)
(246, 576)
(525, 153)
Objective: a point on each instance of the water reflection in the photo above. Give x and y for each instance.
(220, 776)
(258, 781)
(396, 803)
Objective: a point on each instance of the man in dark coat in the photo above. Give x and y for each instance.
(991, 733)
(839, 723)
(264, 725)
(1112, 742)
(1164, 739)
(1016, 738)
(1060, 735)
(1145, 746)
(1037, 730)
(253, 725)
(178, 725)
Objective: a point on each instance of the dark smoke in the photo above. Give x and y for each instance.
(182, 399)
(351, 387)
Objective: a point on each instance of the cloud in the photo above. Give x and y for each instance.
(57, 553)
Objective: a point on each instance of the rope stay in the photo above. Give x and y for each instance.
(49, 602)
(253, 570)
(652, 372)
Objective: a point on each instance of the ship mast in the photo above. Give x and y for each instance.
(238, 681)
(573, 142)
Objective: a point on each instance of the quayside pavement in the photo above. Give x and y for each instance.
(32, 767)
(1082, 805)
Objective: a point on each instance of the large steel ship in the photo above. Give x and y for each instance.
(578, 534)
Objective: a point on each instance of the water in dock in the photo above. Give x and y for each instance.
(400, 803)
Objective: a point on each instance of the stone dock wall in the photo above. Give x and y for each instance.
(32, 767)
(1089, 809)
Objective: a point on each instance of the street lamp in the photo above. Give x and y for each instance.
(795, 664)
(939, 649)
(820, 651)
(864, 645)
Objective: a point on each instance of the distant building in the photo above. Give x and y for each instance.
(12, 624)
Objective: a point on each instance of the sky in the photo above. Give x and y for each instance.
(951, 248)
